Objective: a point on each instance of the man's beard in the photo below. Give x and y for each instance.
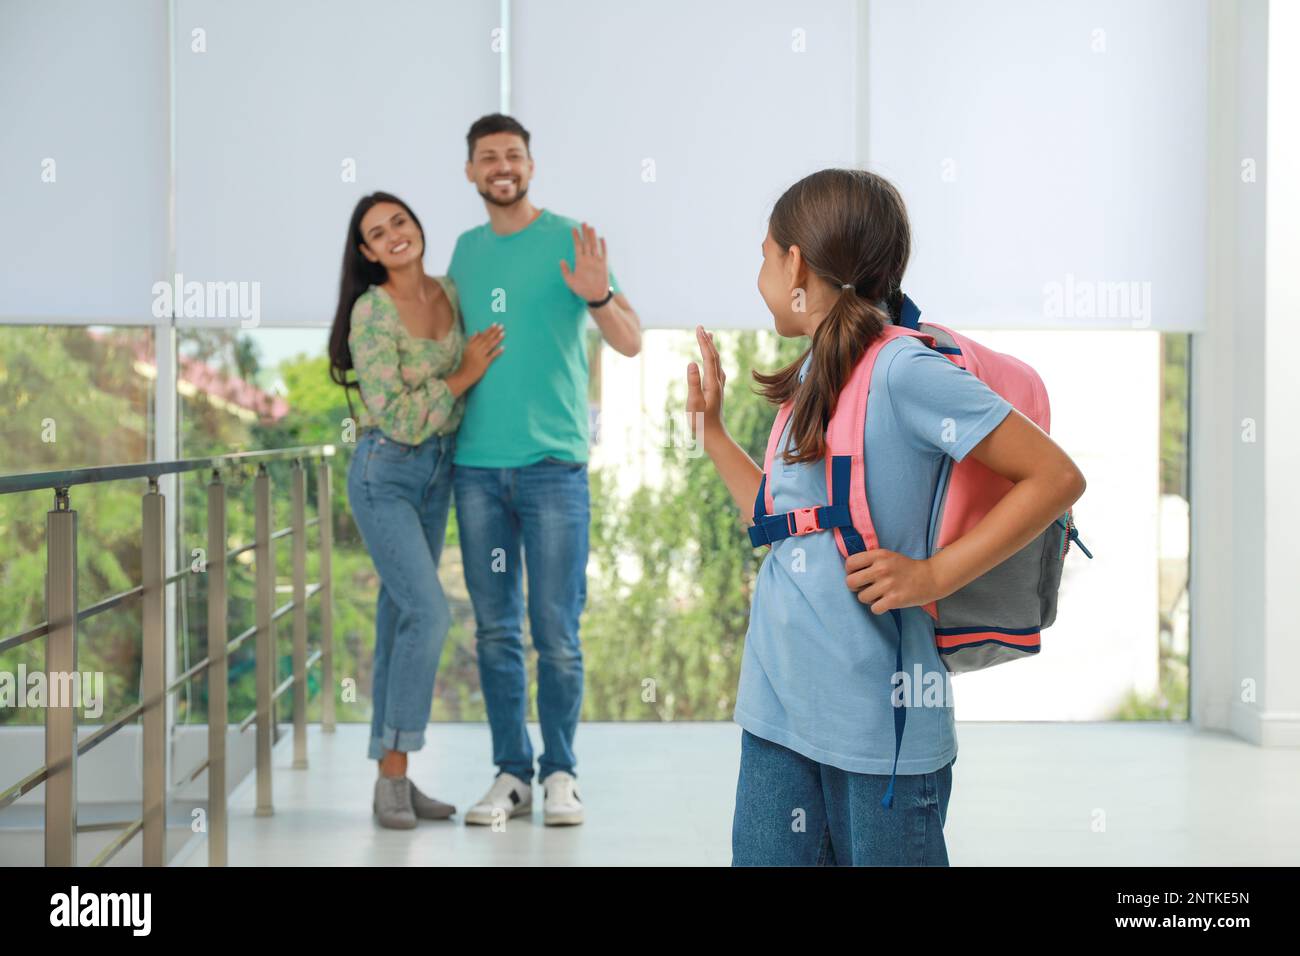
(488, 197)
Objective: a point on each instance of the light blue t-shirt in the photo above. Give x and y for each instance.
(817, 670)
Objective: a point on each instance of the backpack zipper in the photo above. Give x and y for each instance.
(1071, 534)
(1067, 524)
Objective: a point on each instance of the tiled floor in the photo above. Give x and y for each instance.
(1045, 794)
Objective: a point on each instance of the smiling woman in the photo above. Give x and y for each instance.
(413, 388)
(400, 331)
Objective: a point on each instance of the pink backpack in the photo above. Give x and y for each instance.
(998, 616)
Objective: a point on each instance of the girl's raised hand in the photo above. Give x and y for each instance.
(704, 388)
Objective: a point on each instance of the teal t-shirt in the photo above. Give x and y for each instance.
(532, 401)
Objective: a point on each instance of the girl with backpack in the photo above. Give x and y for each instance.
(828, 774)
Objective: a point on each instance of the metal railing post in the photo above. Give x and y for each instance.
(61, 659)
(325, 514)
(265, 676)
(298, 491)
(153, 678)
(218, 672)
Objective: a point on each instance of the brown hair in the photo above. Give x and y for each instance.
(851, 228)
(495, 123)
(357, 275)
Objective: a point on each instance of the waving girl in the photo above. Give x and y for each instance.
(815, 696)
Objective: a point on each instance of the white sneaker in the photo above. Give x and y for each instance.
(562, 807)
(508, 797)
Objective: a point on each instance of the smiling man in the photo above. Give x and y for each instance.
(520, 472)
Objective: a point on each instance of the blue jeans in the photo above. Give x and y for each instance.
(544, 507)
(400, 496)
(792, 811)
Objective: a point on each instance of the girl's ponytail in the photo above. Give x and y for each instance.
(839, 341)
(851, 228)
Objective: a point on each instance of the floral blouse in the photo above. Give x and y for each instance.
(404, 391)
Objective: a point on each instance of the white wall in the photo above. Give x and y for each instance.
(1281, 717)
(1243, 322)
(1042, 143)
(1245, 391)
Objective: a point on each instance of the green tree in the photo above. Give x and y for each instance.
(74, 397)
(663, 641)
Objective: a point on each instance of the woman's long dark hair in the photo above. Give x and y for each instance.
(358, 274)
(851, 227)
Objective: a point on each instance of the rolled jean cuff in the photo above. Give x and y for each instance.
(393, 739)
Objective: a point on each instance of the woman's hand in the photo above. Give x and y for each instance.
(704, 390)
(886, 580)
(481, 349)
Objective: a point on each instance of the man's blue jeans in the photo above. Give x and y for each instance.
(792, 811)
(400, 496)
(545, 508)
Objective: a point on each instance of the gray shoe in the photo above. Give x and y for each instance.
(393, 803)
(427, 808)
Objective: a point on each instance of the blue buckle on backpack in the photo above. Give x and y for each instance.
(769, 529)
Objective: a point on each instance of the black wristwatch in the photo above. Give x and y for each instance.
(601, 302)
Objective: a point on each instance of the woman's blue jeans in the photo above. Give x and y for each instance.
(400, 496)
(793, 811)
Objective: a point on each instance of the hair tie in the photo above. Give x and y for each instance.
(847, 285)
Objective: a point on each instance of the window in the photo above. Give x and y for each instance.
(75, 396)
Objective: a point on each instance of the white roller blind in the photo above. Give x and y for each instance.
(283, 96)
(83, 159)
(1052, 156)
(674, 126)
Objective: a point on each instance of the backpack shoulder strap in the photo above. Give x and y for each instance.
(847, 513)
(846, 474)
(764, 498)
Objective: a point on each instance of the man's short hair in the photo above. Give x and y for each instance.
(495, 123)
